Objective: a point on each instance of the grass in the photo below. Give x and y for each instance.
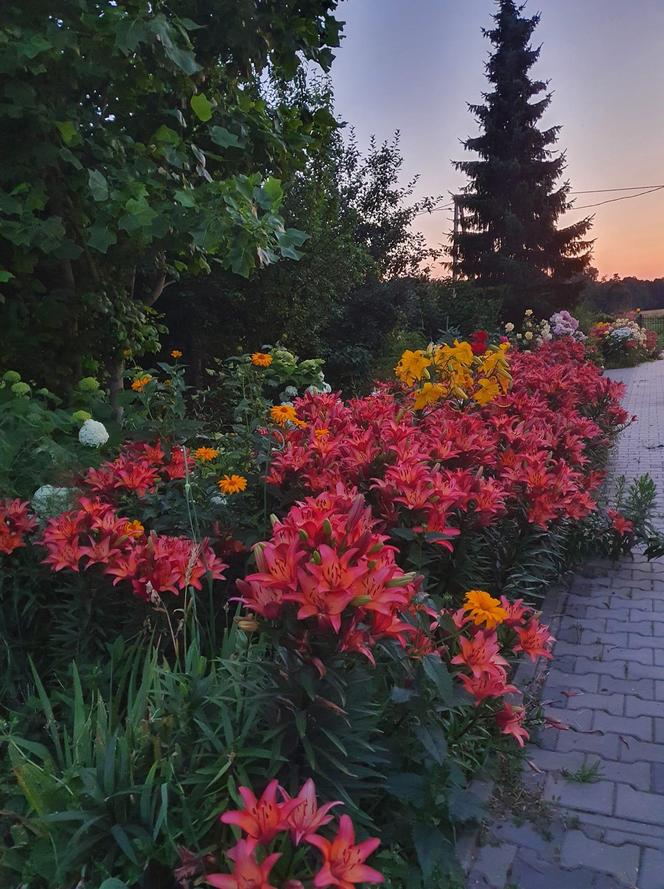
(588, 773)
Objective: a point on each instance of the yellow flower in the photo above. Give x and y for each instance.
(412, 366)
(482, 608)
(133, 528)
(261, 359)
(206, 454)
(429, 393)
(141, 382)
(488, 390)
(176, 353)
(232, 484)
(283, 413)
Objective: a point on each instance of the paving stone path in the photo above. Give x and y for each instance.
(607, 684)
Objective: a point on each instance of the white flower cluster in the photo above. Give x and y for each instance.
(93, 434)
(49, 501)
(625, 329)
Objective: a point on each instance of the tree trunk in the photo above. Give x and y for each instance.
(116, 368)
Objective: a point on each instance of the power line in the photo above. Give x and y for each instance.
(649, 189)
(627, 188)
(625, 197)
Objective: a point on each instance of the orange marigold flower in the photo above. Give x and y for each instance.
(141, 382)
(232, 484)
(283, 413)
(321, 433)
(206, 454)
(484, 609)
(176, 353)
(261, 359)
(134, 528)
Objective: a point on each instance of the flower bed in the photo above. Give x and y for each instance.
(367, 644)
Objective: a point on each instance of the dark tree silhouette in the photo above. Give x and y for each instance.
(508, 234)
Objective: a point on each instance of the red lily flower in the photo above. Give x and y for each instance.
(510, 721)
(306, 817)
(247, 872)
(480, 654)
(535, 640)
(343, 861)
(261, 819)
(488, 685)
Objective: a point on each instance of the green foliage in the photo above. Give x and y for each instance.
(39, 434)
(137, 760)
(141, 150)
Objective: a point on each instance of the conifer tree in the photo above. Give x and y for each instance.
(508, 235)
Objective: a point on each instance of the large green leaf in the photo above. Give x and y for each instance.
(201, 106)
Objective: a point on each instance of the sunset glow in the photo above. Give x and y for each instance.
(414, 65)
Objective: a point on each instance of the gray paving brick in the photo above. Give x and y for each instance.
(650, 834)
(636, 774)
(554, 760)
(657, 777)
(638, 805)
(642, 655)
(639, 707)
(643, 671)
(577, 719)
(617, 837)
(639, 627)
(618, 669)
(597, 797)
(605, 745)
(621, 862)
(603, 638)
(612, 703)
(577, 649)
(494, 862)
(638, 641)
(639, 614)
(572, 681)
(636, 726)
(651, 875)
(644, 688)
(531, 872)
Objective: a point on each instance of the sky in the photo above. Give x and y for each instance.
(413, 65)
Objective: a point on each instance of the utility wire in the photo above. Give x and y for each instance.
(649, 189)
(628, 188)
(625, 197)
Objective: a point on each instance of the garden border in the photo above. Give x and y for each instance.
(527, 674)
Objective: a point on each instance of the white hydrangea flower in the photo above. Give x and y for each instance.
(509, 327)
(312, 390)
(49, 501)
(288, 393)
(93, 434)
(218, 500)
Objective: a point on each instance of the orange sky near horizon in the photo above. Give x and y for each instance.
(412, 65)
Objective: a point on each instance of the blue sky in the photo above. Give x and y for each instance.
(413, 65)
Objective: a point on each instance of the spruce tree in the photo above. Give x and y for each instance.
(508, 211)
